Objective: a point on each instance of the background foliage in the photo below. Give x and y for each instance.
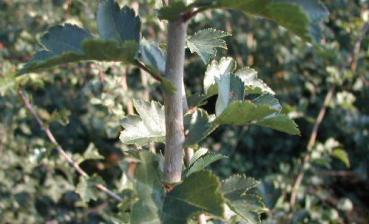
(84, 106)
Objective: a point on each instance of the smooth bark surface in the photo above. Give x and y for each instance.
(174, 102)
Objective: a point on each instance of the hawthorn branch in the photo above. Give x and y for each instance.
(173, 102)
(27, 103)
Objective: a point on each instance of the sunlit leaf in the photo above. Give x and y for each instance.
(148, 126)
(205, 43)
(86, 188)
(342, 155)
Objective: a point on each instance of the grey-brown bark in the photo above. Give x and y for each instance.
(174, 102)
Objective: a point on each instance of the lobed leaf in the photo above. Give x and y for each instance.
(86, 188)
(153, 56)
(115, 23)
(226, 66)
(198, 126)
(148, 127)
(148, 188)
(302, 17)
(243, 199)
(199, 193)
(230, 89)
(202, 162)
(205, 42)
(280, 122)
(244, 113)
(69, 43)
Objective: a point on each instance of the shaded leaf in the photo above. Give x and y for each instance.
(69, 43)
(153, 56)
(242, 197)
(115, 23)
(205, 42)
(237, 185)
(230, 88)
(302, 17)
(197, 126)
(202, 162)
(280, 122)
(268, 100)
(148, 188)
(172, 11)
(148, 127)
(62, 44)
(185, 200)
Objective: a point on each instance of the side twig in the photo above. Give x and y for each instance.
(352, 62)
(311, 143)
(60, 150)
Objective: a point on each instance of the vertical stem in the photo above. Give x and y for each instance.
(174, 102)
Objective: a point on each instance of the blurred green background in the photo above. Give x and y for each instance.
(84, 105)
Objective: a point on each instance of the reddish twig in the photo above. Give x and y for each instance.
(310, 145)
(59, 148)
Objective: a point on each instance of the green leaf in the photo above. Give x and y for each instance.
(342, 155)
(86, 188)
(302, 17)
(205, 42)
(8, 83)
(242, 197)
(316, 11)
(215, 71)
(253, 84)
(172, 11)
(108, 50)
(230, 89)
(62, 44)
(244, 113)
(269, 100)
(92, 153)
(199, 193)
(199, 153)
(280, 122)
(148, 127)
(202, 162)
(115, 23)
(237, 185)
(227, 66)
(277, 121)
(153, 56)
(198, 126)
(148, 188)
(196, 100)
(69, 43)
(155, 60)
